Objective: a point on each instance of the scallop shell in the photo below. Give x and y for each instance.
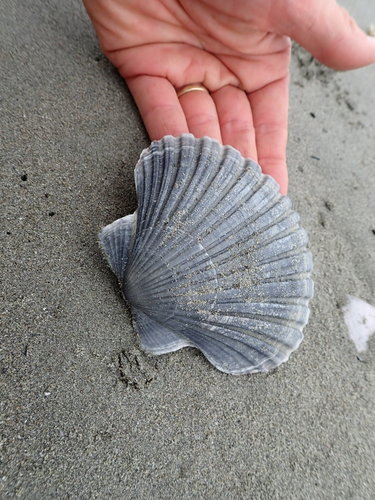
(213, 258)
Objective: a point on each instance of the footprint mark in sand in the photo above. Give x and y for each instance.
(135, 370)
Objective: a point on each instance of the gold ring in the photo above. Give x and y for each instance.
(190, 88)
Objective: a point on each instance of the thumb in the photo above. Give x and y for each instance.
(326, 30)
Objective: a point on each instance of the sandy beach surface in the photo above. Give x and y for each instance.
(84, 412)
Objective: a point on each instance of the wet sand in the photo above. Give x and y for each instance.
(85, 413)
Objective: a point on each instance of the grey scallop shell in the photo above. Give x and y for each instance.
(213, 258)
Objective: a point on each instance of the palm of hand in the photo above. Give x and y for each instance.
(159, 46)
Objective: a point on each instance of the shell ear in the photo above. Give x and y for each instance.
(115, 240)
(156, 338)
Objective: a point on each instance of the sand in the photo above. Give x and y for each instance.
(85, 413)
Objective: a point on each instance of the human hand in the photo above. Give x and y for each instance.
(238, 49)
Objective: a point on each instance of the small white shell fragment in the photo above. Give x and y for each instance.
(359, 317)
(371, 30)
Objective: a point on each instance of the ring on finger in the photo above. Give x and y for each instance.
(191, 88)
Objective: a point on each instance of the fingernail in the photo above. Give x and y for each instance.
(371, 40)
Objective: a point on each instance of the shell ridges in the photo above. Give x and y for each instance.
(213, 258)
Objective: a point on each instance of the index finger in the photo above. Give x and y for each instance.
(269, 106)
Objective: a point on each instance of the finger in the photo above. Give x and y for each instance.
(158, 105)
(201, 115)
(326, 30)
(270, 115)
(236, 120)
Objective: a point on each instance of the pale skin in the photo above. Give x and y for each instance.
(238, 49)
